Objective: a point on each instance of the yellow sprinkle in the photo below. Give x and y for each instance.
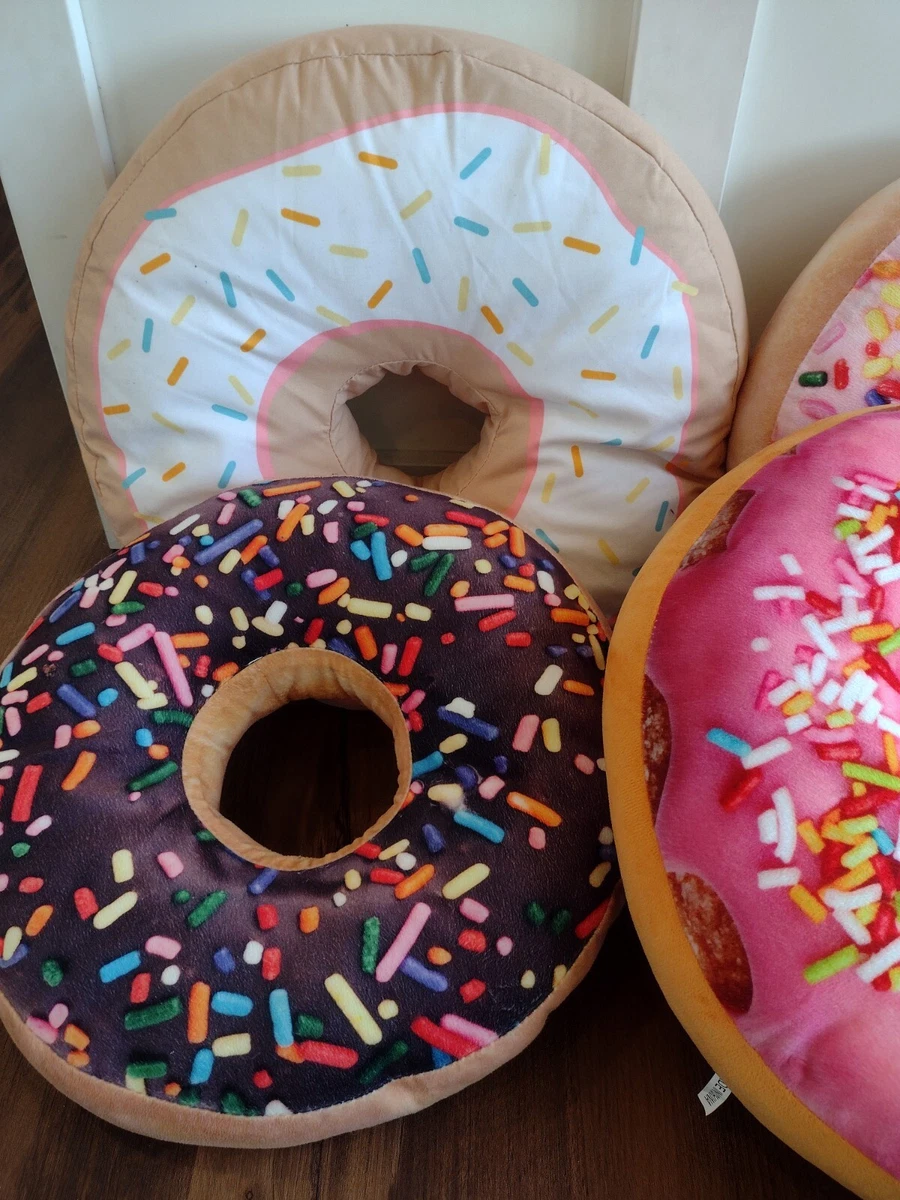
(352, 880)
(890, 753)
(379, 294)
(870, 633)
(240, 389)
(584, 408)
(119, 907)
(377, 160)
(547, 489)
(492, 319)
(229, 562)
(133, 679)
(20, 680)
(301, 170)
(807, 903)
(118, 348)
(587, 373)
(173, 471)
(687, 288)
(253, 340)
(599, 873)
(608, 552)
(177, 371)
(890, 294)
(393, 850)
(388, 1009)
(636, 490)
(240, 226)
(532, 227)
(166, 423)
(577, 464)
(853, 879)
(677, 383)
(544, 159)
(302, 218)
(122, 866)
(349, 251)
(528, 980)
(343, 489)
(418, 612)
(414, 205)
(839, 718)
(136, 1084)
(874, 368)
(877, 324)
(603, 318)
(462, 298)
(575, 243)
(865, 915)
(867, 849)
(361, 1020)
(559, 973)
(11, 941)
(153, 263)
(455, 741)
(230, 1045)
(183, 309)
(798, 704)
(551, 736)
(482, 566)
(465, 881)
(523, 355)
(115, 410)
(123, 586)
(664, 444)
(239, 617)
(329, 315)
(204, 614)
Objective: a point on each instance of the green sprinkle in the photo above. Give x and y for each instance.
(363, 531)
(424, 561)
(534, 913)
(53, 972)
(181, 896)
(153, 1014)
(871, 775)
(813, 378)
(371, 934)
(20, 849)
(154, 1068)
(127, 607)
(560, 921)
(150, 778)
(439, 574)
(250, 498)
(897, 904)
(232, 1104)
(890, 644)
(306, 1026)
(2, 719)
(379, 1065)
(165, 716)
(189, 1096)
(843, 529)
(205, 835)
(294, 589)
(205, 909)
(87, 666)
(824, 968)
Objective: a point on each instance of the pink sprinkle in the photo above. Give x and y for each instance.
(174, 551)
(829, 737)
(63, 737)
(468, 1029)
(54, 656)
(356, 505)
(388, 657)
(537, 838)
(552, 600)
(227, 496)
(331, 531)
(169, 658)
(137, 637)
(488, 788)
(115, 619)
(829, 335)
(874, 480)
(525, 733)
(770, 681)
(417, 787)
(478, 603)
(90, 595)
(169, 861)
(850, 576)
(805, 654)
(58, 1015)
(319, 579)
(585, 765)
(14, 697)
(403, 942)
(39, 825)
(4, 882)
(34, 655)
(13, 722)
(6, 772)
(112, 568)
(42, 1029)
(473, 911)
(134, 796)
(162, 947)
(225, 515)
(171, 591)
(412, 701)
(504, 945)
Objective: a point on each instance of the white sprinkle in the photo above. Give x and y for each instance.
(465, 708)
(545, 581)
(852, 926)
(787, 824)
(846, 485)
(888, 725)
(875, 493)
(830, 692)
(446, 543)
(888, 574)
(275, 612)
(811, 624)
(860, 898)
(791, 565)
(182, 525)
(767, 822)
(339, 899)
(783, 692)
(817, 670)
(781, 877)
(253, 953)
(760, 645)
(850, 510)
(765, 753)
(880, 962)
(870, 711)
(170, 975)
(797, 723)
(802, 675)
(859, 688)
(779, 592)
(284, 508)
(867, 544)
(276, 1109)
(405, 861)
(398, 558)
(549, 679)
(326, 507)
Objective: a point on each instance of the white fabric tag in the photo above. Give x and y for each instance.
(713, 1094)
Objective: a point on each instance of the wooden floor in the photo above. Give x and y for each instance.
(603, 1105)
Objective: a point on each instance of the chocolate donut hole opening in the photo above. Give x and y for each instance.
(297, 759)
(309, 778)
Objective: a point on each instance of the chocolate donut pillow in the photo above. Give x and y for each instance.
(752, 732)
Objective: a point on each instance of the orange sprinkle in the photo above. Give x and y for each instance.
(334, 591)
(516, 542)
(291, 521)
(577, 464)
(152, 263)
(570, 616)
(38, 920)
(871, 633)
(198, 1013)
(411, 498)
(397, 689)
(85, 729)
(577, 689)
(365, 639)
(173, 471)
(83, 765)
(172, 1089)
(439, 956)
(492, 319)
(158, 752)
(253, 548)
(220, 674)
(116, 410)
(377, 160)
(460, 588)
(301, 218)
(184, 660)
(578, 244)
(499, 539)
(76, 1037)
(889, 268)
(189, 641)
(177, 371)
(407, 534)
(201, 581)
(309, 919)
(290, 1053)
(495, 527)
(446, 531)
(377, 296)
(285, 489)
(518, 584)
(413, 883)
(77, 1058)
(533, 808)
(253, 340)
(181, 562)
(588, 374)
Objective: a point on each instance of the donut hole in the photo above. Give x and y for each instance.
(297, 759)
(415, 424)
(324, 772)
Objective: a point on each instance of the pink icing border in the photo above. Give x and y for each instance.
(370, 123)
(295, 360)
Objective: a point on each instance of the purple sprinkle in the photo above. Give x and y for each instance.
(501, 764)
(467, 776)
(433, 839)
(257, 886)
(556, 651)
(224, 960)
(269, 557)
(508, 561)
(340, 647)
(433, 980)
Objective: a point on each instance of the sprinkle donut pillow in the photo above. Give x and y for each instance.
(833, 344)
(380, 199)
(176, 977)
(752, 720)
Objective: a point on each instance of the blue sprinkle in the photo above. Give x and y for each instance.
(433, 839)
(231, 1004)
(6, 676)
(433, 980)
(229, 542)
(873, 398)
(207, 539)
(225, 477)
(441, 1058)
(423, 765)
(137, 553)
(339, 646)
(584, 651)
(224, 960)
(467, 776)
(257, 886)
(546, 538)
(380, 560)
(133, 477)
(606, 853)
(74, 699)
(20, 952)
(202, 1066)
(612, 442)
(480, 825)
(637, 245)
(269, 557)
(230, 298)
(62, 609)
(154, 545)
(663, 509)
(419, 260)
(648, 343)
(479, 729)
(281, 285)
(224, 411)
(147, 338)
(472, 226)
(501, 764)
(159, 214)
(360, 550)
(556, 651)
(123, 965)
(143, 737)
(76, 633)
(107, 697)
(524, 290)
(546, 565)
(727, 741)
(471, 167)
(507, 560)
(882, 841)
(280, 1012)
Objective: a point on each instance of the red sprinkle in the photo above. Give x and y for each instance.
(140, 988)
(875, 598)
(36, 703)
(409, 655)
(150, 589)
(262, 1079)
(368, 850)
(502, 616)
(266, 916)
(414, 722)
(740, 789)
(882, 983)
(883, 928)
(472, 990)
(588, 924)
(327, 1055)
(85, 903)
(880, 667)
(443, 1039)
(111, 653)
(268, 579)
(527, 570)
(472, 939)
(873, 350)
(316, 626)
(201, 666)
(364, 518)
(839, 751)
(841, 374)
(31, 884)
(464, 518)
(271, 963)
(889, 388)
(383, 875)
(447, 639)
(28, 781)
(518, 639)
(822, 604)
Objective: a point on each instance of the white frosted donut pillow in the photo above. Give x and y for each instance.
(378, 199)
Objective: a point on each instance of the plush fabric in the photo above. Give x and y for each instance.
(751, 716)
(377, 199)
